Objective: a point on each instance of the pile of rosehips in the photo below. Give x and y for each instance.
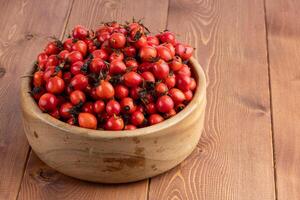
(115, 78)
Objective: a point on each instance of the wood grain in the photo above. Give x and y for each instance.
(91, 14)
(234, 158)
(25, 26)
(284, 60)
(42, 182)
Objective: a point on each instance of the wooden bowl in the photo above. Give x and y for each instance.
(115, 156)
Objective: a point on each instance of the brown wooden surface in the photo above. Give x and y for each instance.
(284, 55)
(234, 158)
(24, 31)
(250, 52)
(42, 182)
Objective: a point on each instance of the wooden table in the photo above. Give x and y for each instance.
(250, 50)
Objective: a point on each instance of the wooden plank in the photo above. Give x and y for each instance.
(91, 14)
(284, 59)
(42, 182)
(234, 156)
(25, 26)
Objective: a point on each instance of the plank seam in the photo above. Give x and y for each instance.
(271, 103)
(168, 11)
(148, 188)
(24, 170)
(67, 20)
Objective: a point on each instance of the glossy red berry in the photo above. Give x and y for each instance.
(184, 71)
(87, 120)
(184, 51)
(114, 123)
(151, 108)
(38, 79)
(152, 40)
(127, 105)
(164, 53)
(52, 48)
(188, 52)
(145, 66)
(177, 95)
(179, 107)
(79, 82)
(55, 85)
(121, 91)
(132, 79)
(74, 56)
(148, 76)
(55, 113)
(129, 127)
(155, 119)
(37, 92)
(117, 40)
(171, 48)
(105, 90)
(98, 106)
(48, 102)
(63, 55)
(65, 110)
(129, 51)
(100, 53)
(77, 68)
(52, 61)
(176, 63)
(42, 60)
(79, 32)
(134, 92)
(131, 64)
(140, 108)
(161, 69)
(96, 65)
(141, 42)
(88, 107)
(169, 114)
(164, 104)
(117, 67)
(161, 89)
(167, 37)
(77, 97)
(170, 81)
(52, 71)
(113, 107)
(68, 43)
(183, 82)
(148, 53)
(188, 95)
(193, 84)
(116, 56)
(137, 118)
(80, 46)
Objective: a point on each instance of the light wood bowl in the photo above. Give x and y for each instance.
(115, 156)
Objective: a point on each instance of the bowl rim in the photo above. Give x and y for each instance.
(30, 107)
